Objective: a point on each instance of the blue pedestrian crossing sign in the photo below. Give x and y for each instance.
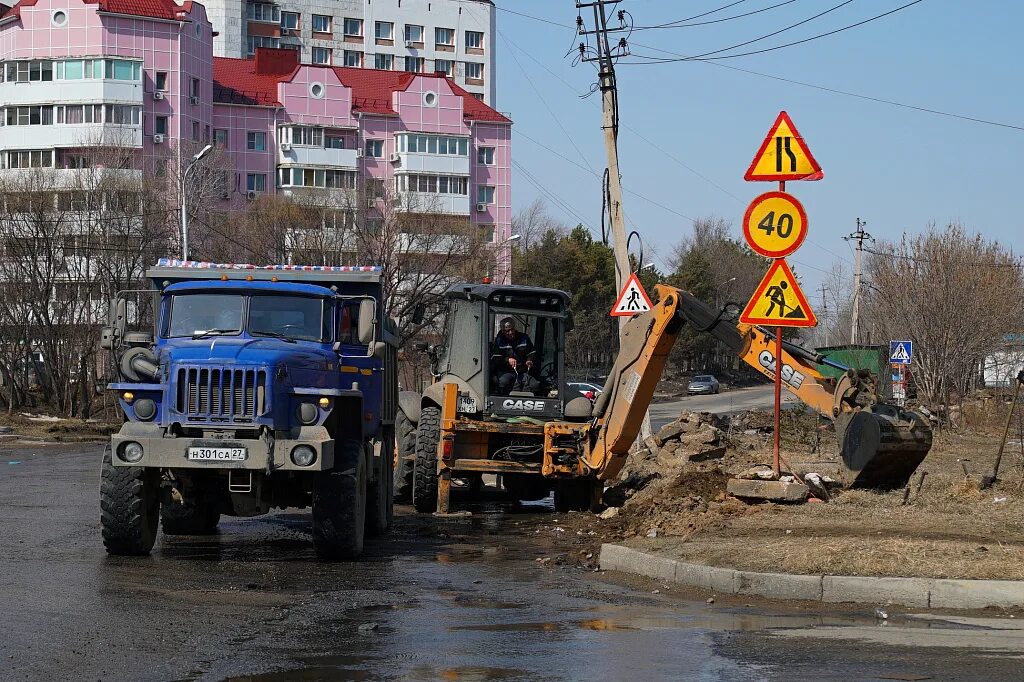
(900, 352)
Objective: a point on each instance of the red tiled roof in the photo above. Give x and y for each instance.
(156, 9)
(238, 81)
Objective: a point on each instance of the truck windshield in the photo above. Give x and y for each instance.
(194, 314)
(295, 317)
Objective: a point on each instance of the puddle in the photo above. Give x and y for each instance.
(467, 673)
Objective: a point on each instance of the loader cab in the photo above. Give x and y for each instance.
(477, 353)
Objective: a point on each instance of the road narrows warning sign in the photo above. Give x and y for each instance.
(778, 301)
(784, 155)
(632, 299)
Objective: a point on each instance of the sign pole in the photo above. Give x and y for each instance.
(777, 445)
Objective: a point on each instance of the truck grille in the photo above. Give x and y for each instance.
(221, 395)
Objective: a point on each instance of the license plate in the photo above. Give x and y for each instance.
(466, 404)
(217, 454)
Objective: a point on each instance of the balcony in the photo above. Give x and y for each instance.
(71, 136)
(74, 178)
(77, 91)
(425, 202)
(440, 164)
(301, 155)
(326, 197)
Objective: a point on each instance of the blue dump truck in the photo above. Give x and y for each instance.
(251, 388)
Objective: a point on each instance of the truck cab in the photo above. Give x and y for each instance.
(254, 388)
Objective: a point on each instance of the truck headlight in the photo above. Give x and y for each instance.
(131, 452)
(303, 455)
(145, 409)
(308, 413)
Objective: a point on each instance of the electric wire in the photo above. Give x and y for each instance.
(712, 21)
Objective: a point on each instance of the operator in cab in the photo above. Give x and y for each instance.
(513, 360)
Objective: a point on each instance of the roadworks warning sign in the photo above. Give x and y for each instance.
(778, 301)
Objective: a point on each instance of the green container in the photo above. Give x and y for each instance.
(872, 358)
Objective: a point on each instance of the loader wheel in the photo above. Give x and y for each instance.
(380, 494)
(405, 457)
(428, 434)
(526, 487)
(573, 496)
(129, 507)
(197, 513)
(339, 504)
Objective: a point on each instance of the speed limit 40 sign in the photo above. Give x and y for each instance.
(775, 224)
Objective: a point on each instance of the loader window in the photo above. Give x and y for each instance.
(524, 353)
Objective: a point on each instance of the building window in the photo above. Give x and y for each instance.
(375, 149)
(354, 58)
(193, 88)
(444, 37)
(256, 141)
(384, 62)
(161, 81)
(73, 114)
(485, 156)
(413, 33)
(474, 40)
(195, 130)
(321, 23)
(478, 96)
(474, 71)
(433, 144)
(220, 138)
(256, 182)
(485, 194)
(487, 233)
(353, 28)
(23, 72)
(384, 30)
(316, 177)
(290, 21)
(253, 42)
(321, 55)
(30, 158)
(305, 136)
(445, 66)
(414, 64)
(432, 184)
(30, 116)
(123, 114)
(335, 142)
(258, 11)
(160, 125)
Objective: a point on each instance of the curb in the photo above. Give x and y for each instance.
(914, 592)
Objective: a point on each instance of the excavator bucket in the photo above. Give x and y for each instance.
(881, 448)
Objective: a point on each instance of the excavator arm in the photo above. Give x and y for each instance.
(880, 443)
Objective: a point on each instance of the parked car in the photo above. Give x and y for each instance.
(703, 383)
(586, 388)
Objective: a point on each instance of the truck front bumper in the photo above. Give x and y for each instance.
(164, 452)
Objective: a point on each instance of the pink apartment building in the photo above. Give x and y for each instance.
(141, 73)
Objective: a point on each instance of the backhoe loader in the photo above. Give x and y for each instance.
(553, 438)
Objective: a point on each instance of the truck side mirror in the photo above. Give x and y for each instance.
(117, 323)
(418, 313)
(367, 321)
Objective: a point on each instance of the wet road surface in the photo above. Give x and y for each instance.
(728, 402)
(459, 599)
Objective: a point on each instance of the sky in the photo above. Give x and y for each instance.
(690, 129)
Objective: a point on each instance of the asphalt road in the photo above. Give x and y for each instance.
(453, 600)
(727, 402)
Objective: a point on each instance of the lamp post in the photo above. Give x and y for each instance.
(719, 286)
(500, 245)
(184, 203)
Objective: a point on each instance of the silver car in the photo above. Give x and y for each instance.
(703, 383)
(586, 388)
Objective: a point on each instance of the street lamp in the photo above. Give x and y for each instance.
(719, 287)
(184, 203)
(646, 266)
(499, 245)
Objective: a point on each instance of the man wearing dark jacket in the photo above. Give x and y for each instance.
(512, 360)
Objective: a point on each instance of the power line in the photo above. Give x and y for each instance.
(675, 24)
(706, 57)
(530, 16)
(706, 14)
(951, 261)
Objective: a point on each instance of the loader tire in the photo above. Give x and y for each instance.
(198, 513)
(339, 505)
(380, 495)
(405, 457)
(428, 434)
(572, 496)
(129, 507)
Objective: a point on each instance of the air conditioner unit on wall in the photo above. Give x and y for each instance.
(286, 147)
(158, 138)
(225, 195)
(410, 43)
(396, 158)
(250, 195)
(481, 208)
(193, 100)
(158, 95)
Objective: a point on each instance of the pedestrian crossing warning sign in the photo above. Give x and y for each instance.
(778, 300)
(632, 300)
(784, 155)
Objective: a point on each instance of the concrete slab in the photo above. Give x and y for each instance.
(695, 575)
(723, 580)
(871, 590)
(779, 585)
(771, 491)
(976, 594)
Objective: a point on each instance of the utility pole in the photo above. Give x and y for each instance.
(824, 311)
(610, 125)
(859, 236)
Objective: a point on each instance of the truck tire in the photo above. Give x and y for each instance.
(339, 504)
(428, 435)
(405, 457)
(129, 507)
(573, 495)
(380, 494)
(198, 513)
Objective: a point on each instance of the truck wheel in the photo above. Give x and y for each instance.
(405, 457)
(129, 507)
(199, 511)
(339, 504)
(428, 434)
(380, 493)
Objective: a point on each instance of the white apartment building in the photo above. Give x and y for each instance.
(418, 36)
